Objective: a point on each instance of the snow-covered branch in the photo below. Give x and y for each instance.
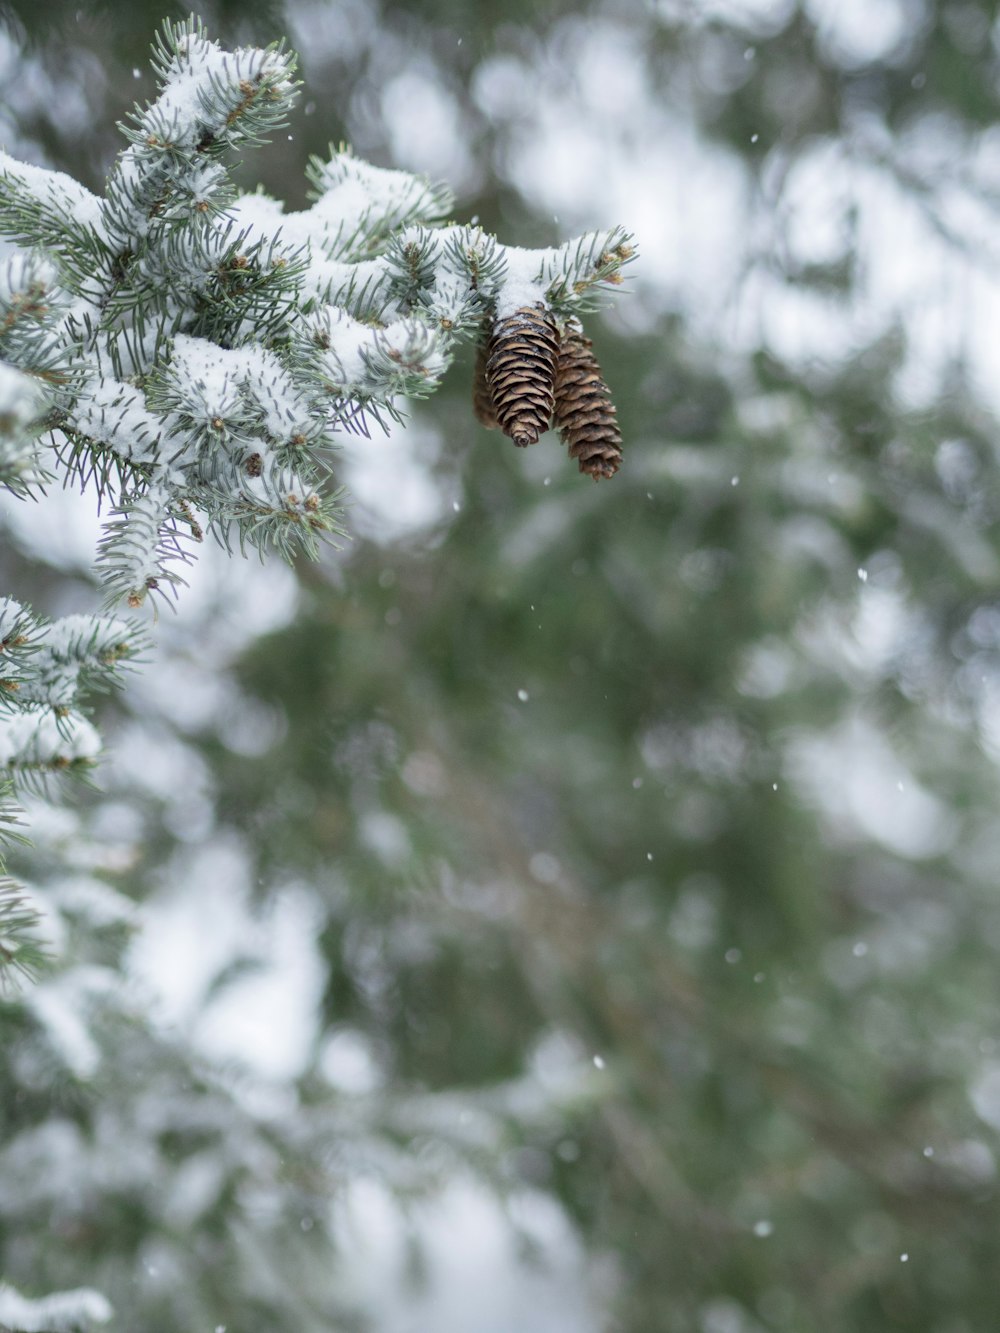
(206, 345)
(192, 352)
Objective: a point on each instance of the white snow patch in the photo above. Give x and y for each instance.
(98, 903)
(35, 736)
(347, 1062)
(56, 191)
(115, 414)
(470, 1249)
(21, 398)
(353, 191)
(856, 33)
(264, 1017)
(190, 101)
(523, 284)
(391, 480)
(83, 638)
(855, 777)
(62, 1312)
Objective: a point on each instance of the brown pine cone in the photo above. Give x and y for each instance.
(482, 399)
(520, 370)
(584, 412)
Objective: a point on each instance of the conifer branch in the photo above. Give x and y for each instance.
(22, 402)
(200, 347)
(579, 275)
(46, 208)
(22, 954)
(140, 542)
(55, 665)
(21, 950)
(38, 742)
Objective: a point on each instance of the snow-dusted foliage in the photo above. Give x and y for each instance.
(201, 348)
(46, 670)
(194, 351)
(178, 1189)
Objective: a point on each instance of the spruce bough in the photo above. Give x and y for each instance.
(192, 352)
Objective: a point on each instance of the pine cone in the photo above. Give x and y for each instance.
(520, 371)
(482, 399)
(584, 412)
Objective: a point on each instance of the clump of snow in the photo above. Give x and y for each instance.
(451, 297)
(56, 192)
(211, 376)
(116, 414)
(67, 648)
(62, 1312)
(339, 282)
(83, 637)
(124, 210)
(232, 383)
(11, 617)
(353, 194)
(345, 339)
(21, 399)
(205, 84)
(523, 284)
(412, 344)
(37, 737)
(183, 263)
(258, 212)
(284, 409)
(259, 220)
(98, 903)
(203, 180)
(340, 213)
(281, 486)
(23, 270)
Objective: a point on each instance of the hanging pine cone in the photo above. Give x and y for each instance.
(482, 399)
(520, 370)
(584, 412)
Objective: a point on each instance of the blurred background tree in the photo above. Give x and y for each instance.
(631, 849)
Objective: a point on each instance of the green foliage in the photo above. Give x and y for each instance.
(20, 951)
